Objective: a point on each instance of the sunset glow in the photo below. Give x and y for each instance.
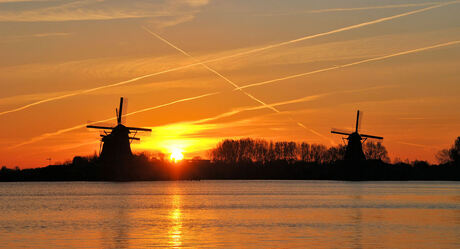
(197, 72)
(176, 155)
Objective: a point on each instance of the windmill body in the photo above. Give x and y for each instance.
(116, 145)
(355, 140)
(354, 149)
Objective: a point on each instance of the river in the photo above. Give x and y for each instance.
(230, 214)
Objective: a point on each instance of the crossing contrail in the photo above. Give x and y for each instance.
(287, 102)
(235, 85)
(350, 64)
(251, 51)
(211, 70)
(41, 137)
(258, 107)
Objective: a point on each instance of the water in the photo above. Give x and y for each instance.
(230, 214)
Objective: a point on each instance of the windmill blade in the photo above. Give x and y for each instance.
(124, 111)
(341, 133)
(359, 121)
(99, 127)
(120, 111)
(138, 129)
(103, 124)
(370, 136)
(134, 138)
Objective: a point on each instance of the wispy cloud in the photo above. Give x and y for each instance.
(412, 51)
(243, 53)
(23, 1)
(390, 6)
(44, 136)
(226, 79)
(376, 7)
(305, 99)
(204, 120)
(76, 127)
(84, 10)
(32, 36)
(417, 145)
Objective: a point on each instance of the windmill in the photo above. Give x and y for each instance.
(116, 141)
(354, 150)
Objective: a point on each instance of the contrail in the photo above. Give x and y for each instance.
(222, 115)
(41, 137)
(79, 92)
(210, 69)
(46, 135)
(234, 84)
(350, 64)
(418, 145)
(258, 107)
(251, 51)
(391, 6)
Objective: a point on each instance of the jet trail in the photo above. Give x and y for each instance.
(251, 51)
(350, 64)
(258, 107)
(79, 92)
(210, 69)
(41, 137)
(391, 6)
(46, 135)
(233, 83)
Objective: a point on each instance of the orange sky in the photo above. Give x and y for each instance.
(64, 63)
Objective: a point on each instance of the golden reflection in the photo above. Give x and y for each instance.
(175, 230)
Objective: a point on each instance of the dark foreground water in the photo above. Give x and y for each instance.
(230, 214)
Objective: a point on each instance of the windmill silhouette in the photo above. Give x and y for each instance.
(354, 150)
(116, 144)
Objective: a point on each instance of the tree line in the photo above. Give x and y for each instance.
(259, 150)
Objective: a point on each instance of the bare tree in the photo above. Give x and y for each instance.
(336, 153)
(450, 155)
(443, 156)
(318, 153)
(375, 151)
(304, 151)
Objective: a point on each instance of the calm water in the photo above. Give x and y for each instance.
(230, 214)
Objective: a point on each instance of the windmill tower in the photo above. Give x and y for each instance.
(116, 141)
(354, 150)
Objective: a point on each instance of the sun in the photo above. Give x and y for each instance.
(176, 155)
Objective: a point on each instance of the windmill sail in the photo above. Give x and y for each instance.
(354, 150)
(116, 144)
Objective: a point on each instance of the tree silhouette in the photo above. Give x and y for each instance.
(375, 151)
(249, 150)
(451, 155)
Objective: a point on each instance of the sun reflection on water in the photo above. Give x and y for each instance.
(175, 230)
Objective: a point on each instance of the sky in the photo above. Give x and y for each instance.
(199, 71)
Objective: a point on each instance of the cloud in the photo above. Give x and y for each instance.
(162, 13)
(32, 36)
(352, 64)
(76, 127)
(251, 96)
(389, 6)
(44, 136)
(243, 53)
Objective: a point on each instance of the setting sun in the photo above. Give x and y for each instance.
(176, 155)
